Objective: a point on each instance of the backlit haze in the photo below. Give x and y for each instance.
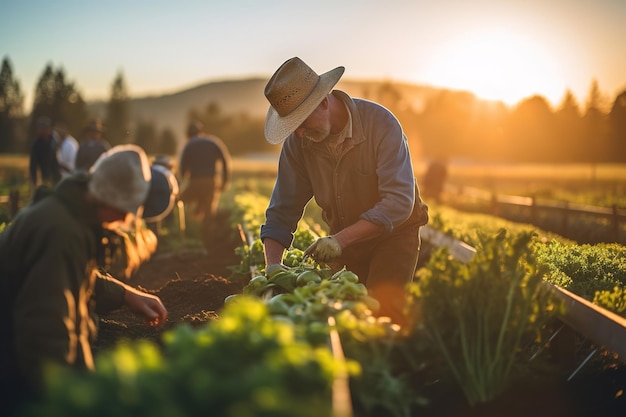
(503, 50)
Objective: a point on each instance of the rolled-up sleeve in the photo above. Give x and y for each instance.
(109, 293)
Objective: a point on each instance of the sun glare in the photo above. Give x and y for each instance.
(497, 65)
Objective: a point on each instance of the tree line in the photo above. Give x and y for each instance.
(60, 100)
(453, 124)
(449, 124)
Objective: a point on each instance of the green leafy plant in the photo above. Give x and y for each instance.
(614, 300)
(245, 364)
(480, 314)
(584, 269)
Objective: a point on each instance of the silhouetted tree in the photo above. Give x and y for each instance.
(168, 144)
(58, 99)
(146, 136)
(245, 135)
(43, 102)
(11, 108)
(391, 96)
(595, 126)
(569, 134)
(531, 132)
(240, 133)
(617, 122)
(444, 122)
(70, 108)
(118, 113)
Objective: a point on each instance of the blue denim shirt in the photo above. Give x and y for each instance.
(373, 179)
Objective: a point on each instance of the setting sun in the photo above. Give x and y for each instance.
(497, 64)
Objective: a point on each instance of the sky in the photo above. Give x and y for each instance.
(498, 49)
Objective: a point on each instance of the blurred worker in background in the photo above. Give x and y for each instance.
(434, 180)
(204, 170)
(163, 193)
(92, 145)
(66, 150)
(352, 156)
(43, 165)
(51, 286)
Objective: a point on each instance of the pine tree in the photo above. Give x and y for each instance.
(146, 136)
(617, 120)
(569, 134)
(60, 100)
(43, 102)
(595, 125)
(118, 117)
(168, 144)
(11, 107)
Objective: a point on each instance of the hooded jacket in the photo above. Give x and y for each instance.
(48, 281)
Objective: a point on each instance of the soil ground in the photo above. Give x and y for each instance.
(193, 283)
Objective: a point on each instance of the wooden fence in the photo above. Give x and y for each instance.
(564, 210)
(13, 200)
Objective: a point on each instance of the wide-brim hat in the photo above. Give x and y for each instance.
(121, 177)
(162, 195)
(294, 91)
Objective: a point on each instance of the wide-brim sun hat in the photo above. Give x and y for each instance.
(121, 178)
(294, 91)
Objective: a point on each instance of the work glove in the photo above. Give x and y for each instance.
(324, 249)
(274, 268)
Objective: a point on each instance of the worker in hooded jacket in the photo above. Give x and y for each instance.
(51, 283)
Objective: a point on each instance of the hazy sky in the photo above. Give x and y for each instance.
(499, 49)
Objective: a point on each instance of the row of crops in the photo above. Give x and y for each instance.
(306, 341)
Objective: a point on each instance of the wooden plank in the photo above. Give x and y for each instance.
(592, 321)
(459, 250)
(341, 397)
(515, 200)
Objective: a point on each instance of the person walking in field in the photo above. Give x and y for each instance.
(67, 149)
(43, 164)
(91, 146)
(51, 281)
(204, 168)
(352, 156)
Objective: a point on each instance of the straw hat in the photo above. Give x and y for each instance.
(294, 91)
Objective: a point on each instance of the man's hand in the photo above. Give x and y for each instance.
(147, 305)
(324, 249)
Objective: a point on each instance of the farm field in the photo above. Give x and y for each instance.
(193, 285)
(194, 282)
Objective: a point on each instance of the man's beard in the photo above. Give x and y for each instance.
(316, 135)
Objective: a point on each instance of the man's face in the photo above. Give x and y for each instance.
(113, 218)
(316, 127)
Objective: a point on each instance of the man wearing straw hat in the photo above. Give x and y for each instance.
(352, 156)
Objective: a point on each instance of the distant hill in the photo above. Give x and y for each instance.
(237, 96)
